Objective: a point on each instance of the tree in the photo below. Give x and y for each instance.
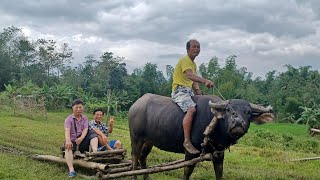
(150, 77)
(203, 71)
(47, 55)
(213, 68)
(169, 72)
(51, 57)
(10, 62)
(7, 70)
(231, 63)
(64, 56)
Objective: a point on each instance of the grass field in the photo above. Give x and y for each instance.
(262, 154)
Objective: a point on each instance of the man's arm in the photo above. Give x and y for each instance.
(197, 79)
(111, 122)
(196, 88)
(83, 135)
(68, 144)
(97, 130)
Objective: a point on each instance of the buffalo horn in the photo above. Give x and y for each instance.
(260, 109)
(218, 105)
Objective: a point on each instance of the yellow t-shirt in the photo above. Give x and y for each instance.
(179, 77)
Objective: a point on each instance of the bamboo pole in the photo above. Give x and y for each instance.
(120, 169)
(85, 164)
(315, 130)
(110, 159)
(307, 159)
(116, 151)
(119, 165)
(108, 105)
(169, 163)
(158, 169)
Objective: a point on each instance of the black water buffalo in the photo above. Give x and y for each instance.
(157, 121)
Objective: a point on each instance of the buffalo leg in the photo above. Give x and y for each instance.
(187, 172)
(218, 166)
(136, 147)
(146, 149)
(188, 169)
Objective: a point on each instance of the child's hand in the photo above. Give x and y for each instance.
(111, 120)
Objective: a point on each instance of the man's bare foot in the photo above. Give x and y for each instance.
(190, 148)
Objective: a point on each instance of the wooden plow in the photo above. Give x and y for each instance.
(111, 164)
(155, 169)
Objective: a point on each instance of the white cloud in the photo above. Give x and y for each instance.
(265, 35)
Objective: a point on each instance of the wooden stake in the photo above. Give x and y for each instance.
(108, 105)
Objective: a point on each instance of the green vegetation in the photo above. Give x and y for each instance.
(41, 69)
(263, 153)
(35, 76)
(21, 167)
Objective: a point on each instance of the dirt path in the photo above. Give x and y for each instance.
(12, 151)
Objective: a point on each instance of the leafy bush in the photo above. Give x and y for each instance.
(310, 117)
(263, 138)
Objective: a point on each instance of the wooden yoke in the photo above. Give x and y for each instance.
(210, 128)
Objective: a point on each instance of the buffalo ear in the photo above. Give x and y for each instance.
(261, 118)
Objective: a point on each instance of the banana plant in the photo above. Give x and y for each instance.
(11, 90)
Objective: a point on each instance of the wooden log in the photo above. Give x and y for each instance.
(169, 163)
(128, 167)
(119, 165)
(100, 153)
(307, 159)
(108, 156)
(97, 158)
(315, 130)
(120, 169)
(125, 161)
(85, 164)
(157, 169)
(115, 168)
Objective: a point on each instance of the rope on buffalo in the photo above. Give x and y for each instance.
(234, 113)
(209, 129)
(215, 88)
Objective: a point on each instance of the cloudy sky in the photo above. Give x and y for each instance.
(264, 35)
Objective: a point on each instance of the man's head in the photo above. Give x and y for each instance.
(77, 107)
(193, 48)
(97, 115)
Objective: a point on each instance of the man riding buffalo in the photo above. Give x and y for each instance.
(157, 121)
(166, 122)
(185, 79)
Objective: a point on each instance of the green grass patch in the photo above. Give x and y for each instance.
(21, 167)
(280, 136)
(263, 153)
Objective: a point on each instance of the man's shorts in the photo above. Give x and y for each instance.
(110, 143)
(182, 96)
(84, 145)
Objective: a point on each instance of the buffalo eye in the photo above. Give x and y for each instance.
(248, 113)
